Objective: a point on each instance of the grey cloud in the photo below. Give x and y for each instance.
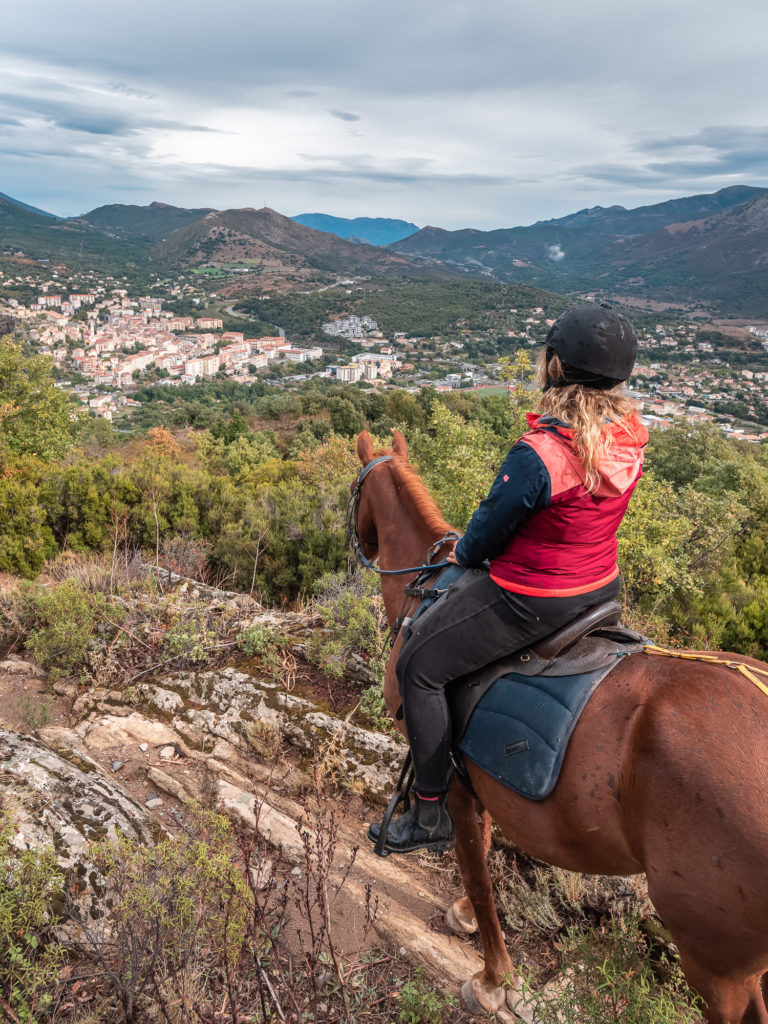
(344, 115)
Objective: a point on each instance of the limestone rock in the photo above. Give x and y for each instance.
(64, 799)
(107, 731)
(173, 787)
(272, 825)
(18, 666)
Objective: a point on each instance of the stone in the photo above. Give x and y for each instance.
(102, 732)
(116, 766)
(66, 689)
(170, 785)
(17, 666)
(153, 802)
(272, 825)
(218, 768)
(168, 753)
(65, 799)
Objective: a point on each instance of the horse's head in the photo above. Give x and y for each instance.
(367, 507)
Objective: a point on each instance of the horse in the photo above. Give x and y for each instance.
(665, 774)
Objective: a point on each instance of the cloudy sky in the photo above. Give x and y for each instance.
(460, 113)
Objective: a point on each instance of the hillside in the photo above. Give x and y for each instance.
(268, 242)
(650, 252)
(375, 230)
(26, 206)
(38, 236)
(150, 223)
(722, 259)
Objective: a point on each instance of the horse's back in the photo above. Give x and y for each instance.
(665, 750)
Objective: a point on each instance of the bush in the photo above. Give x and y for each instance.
(352, 611)
(609, 979)
(60, 622)
(29, 957)
(420, 1003)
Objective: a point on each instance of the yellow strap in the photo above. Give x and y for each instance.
(748, 671)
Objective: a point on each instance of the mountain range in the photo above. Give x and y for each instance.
(700, 252)
(705, 250)
(373, 230)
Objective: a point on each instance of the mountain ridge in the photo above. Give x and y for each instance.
(374, 230)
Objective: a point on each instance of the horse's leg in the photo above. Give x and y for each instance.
(460, 916)
(483, 993)
(728, 999)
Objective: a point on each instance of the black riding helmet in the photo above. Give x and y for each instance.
(596, 346)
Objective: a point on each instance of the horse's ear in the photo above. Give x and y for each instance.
(365, 448)
(399, 445)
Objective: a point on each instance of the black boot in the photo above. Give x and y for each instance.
(426, 826)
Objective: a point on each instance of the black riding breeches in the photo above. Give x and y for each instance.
(467, 629)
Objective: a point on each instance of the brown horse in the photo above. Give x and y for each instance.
(666, 774)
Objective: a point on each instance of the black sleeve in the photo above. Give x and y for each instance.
(522, 487)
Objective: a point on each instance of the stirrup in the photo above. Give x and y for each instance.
(402, 796)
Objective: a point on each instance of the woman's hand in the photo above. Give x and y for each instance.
(451, 556)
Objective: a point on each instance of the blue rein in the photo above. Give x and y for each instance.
(352, 508)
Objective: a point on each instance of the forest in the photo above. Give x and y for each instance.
(255, 483)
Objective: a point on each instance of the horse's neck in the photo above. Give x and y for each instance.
(404, 540)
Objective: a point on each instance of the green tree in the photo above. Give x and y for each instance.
(36, 418)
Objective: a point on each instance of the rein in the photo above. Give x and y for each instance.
(351, 523)
(748, 671)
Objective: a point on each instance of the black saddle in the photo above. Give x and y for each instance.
(587, 645)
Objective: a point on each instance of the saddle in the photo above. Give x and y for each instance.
(587, 647)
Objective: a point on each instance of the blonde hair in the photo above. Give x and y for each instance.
(587, 411)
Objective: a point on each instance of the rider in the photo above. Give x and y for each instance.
(548, 527)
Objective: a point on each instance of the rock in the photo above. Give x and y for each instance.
(66, 689)
(64, 799)
(218, 768)
(272, 825)
(144, 747)
(170, 785)
(168, 753)
(116, 766)
(17, 666)
(102, 732)
(153, 802)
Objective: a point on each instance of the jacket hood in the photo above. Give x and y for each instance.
(622, 461)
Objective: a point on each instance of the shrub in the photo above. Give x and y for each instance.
(609, 979)
(187, 641)
(29, 957)
(60, 622)
(420, 1003)
(352, 610)
(178, 917)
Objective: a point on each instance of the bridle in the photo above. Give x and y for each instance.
(352, 532)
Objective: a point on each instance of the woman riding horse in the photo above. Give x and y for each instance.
(548, 527)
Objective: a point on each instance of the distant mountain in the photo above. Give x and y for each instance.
(703, 249)
(39, 236)
(272, 242)
(720, 260)
(616, 220)
(375, 230)
(26, 206)
(150, 223)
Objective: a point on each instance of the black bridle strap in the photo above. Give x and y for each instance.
(352, 507)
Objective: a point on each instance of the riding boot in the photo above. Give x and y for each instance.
(427, 825)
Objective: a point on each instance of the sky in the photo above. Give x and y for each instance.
(456, 113)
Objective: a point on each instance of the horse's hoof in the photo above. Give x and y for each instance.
(460, 922)
(475, 1001)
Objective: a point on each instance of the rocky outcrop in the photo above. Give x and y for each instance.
(224, 713)
(65, 799)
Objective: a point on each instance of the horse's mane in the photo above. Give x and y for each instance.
(417, 495)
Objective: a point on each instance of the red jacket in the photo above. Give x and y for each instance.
(545, 534)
